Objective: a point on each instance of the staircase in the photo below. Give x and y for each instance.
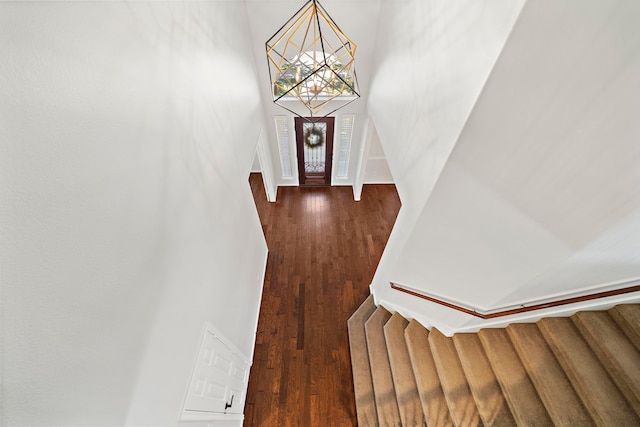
(582, 370)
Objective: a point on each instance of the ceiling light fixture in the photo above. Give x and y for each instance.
(312, 61)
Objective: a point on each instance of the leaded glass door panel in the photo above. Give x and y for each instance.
(314, 141)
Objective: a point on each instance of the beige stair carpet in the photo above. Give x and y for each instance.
(523, 399)
(362, 382)
(484, 386)
(454, 382)
(583, 370)
(627, 316)
(434, 404)
(385, 395)
(603, 400)
(404, 380)
(561, 400)
(614, 350)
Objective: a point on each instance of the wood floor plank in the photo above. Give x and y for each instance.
(323, 251)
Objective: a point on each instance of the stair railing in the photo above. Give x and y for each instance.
(521, 308)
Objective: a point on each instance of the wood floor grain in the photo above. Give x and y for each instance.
(323, 251)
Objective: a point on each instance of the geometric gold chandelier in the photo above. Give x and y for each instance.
(311, 64)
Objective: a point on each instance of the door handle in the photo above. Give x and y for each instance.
(228, 405)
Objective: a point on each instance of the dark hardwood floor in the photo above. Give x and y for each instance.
(323, 251)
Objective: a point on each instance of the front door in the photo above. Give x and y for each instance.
(314, 140)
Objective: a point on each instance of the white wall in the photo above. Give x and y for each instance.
(376, 166)
(541, 194)
(255, 166)
(432, 60)
(125, 214)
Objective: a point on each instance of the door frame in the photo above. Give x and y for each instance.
(328, 170)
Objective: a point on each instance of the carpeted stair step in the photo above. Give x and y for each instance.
(561, 400)
(614, 350)
(491, 404)
(362, 382)
(454, 382)
(627, 316)
(434, 404)
(523, 399)
(404, 380)
(599, 394)
(384, 391)
(583, 370)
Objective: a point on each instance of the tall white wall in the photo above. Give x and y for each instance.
(432, 60)
(540, 195)
(127, 131)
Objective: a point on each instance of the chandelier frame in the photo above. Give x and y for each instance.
(312, 61)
